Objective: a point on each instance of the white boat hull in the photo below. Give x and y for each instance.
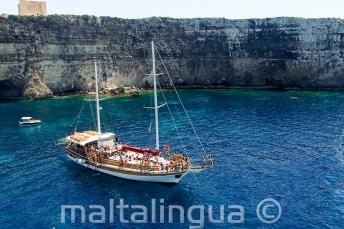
(30, 123)
(168, 178)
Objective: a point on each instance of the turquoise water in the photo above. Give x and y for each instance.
(282, 145)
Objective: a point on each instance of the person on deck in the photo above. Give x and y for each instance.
(203, 162)
(210, 159)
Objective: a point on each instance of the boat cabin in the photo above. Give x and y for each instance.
(26, 118)
(91, 140)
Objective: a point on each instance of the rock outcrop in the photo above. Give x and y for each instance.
(277, 52)
(35, 88)
(131, 91)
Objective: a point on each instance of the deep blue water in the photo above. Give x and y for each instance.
(282, 145)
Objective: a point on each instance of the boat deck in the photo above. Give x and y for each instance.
(132, 162)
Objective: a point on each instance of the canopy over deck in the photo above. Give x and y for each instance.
(88, 137)
(141, 150)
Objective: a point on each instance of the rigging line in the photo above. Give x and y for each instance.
(151, 97)
(151, 120)
(175, 126)
(77, 118)
(175, 106)
(150, 129)
(111, 123)
(94, 120)
(105, 122)
(187, 115)
(108, 122)
(173, 120)
(79, 113)
(194, 175)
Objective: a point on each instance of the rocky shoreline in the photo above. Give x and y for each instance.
(139, 91)
(118, 91)
(131, 91)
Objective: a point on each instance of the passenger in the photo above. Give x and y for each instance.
(203, 162)
(171, 165)
(210, 159)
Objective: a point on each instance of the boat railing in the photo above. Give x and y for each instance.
(144, 167)
(99, 157)
(75, 149)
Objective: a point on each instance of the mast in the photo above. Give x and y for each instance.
(97, 97)
(156, 108)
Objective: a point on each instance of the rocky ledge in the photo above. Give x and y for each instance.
(131, 91)
(41, 56)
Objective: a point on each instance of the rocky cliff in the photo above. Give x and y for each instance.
(277, 52)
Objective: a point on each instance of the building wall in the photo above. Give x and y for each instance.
(32, 8)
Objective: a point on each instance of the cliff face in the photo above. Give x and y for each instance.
(278, 52)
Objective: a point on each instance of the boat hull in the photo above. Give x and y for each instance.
(173, 178)
(30, 124)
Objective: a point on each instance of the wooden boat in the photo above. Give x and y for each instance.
(104, 153)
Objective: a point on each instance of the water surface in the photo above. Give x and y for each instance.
(283, 145)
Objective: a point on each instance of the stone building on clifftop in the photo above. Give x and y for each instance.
(32, 8)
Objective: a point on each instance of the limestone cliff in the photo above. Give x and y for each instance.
(35, 88)
(277, 52)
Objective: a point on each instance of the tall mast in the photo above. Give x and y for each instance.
(156, 108)
(97, 97)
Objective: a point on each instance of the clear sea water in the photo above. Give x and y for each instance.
(266, 144)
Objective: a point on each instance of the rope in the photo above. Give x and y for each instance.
(194, 175)
(173, 120)
(175, 126)
(150, 122)
(77, 117)
(186, 113)
(176, 107)
(94, 120)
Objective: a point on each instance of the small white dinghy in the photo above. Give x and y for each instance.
(29, 121)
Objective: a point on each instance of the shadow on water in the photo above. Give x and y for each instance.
(114, 187)
(2, 100)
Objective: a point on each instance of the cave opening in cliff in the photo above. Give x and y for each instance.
(8, 90)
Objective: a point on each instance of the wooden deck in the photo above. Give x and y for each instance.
(126, 168)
